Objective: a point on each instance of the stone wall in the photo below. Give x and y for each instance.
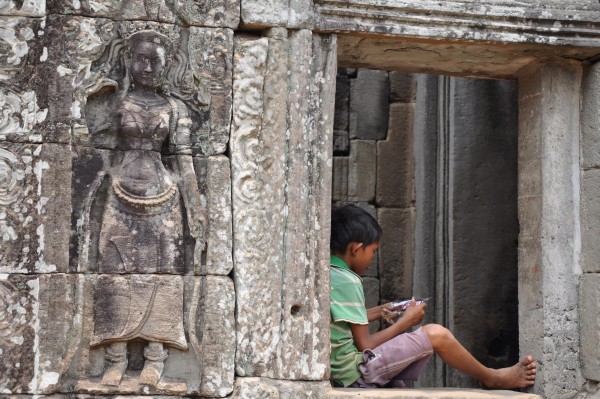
(373, 167)
(244, 182)
(149, 161)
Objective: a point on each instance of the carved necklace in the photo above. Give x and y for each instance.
(146, 103)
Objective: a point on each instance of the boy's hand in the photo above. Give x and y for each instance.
(388, 314)
(414, 313)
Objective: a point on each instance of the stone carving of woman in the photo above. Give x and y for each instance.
(139, 292)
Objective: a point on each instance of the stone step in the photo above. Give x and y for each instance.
(430, 393)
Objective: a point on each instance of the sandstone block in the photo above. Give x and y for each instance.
(396, 161)
(287, 232)
(296, 14)
(371, 289)
(362, 167)
(218, 206)
(35, 208)
(403, 87)
(589, 308)
(250, 388)
(373, 269)
(396, 253)
(340, 179)
(202, 306)
(36, 317)
(590, 221)
(340, 121)
(26, 8)
(23, 108)
(590, 118)
(548, 107)
(224, 13)
(369, 103)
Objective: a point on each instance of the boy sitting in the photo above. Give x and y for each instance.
(387, 357)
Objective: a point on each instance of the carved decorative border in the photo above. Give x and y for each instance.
(443, 20)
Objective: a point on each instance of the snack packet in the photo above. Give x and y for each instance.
(398, 308)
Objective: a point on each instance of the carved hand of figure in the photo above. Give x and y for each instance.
(198, 232)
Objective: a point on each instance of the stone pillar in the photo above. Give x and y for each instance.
(589, 284)
(549, 239)
(281, 145)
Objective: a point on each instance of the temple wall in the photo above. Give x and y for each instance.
(165, 185)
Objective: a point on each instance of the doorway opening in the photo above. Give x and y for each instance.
(434, 160)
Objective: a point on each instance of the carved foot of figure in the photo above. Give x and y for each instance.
(151, 373)
(115, 364)
(114, 374)
(155, 355)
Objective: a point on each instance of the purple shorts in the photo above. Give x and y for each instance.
(401, 358)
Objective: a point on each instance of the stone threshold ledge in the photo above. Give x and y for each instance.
(427, 393)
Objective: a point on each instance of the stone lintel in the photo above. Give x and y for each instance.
(564, 23)
(449, 56)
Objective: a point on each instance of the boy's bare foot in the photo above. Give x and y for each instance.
(520, 375)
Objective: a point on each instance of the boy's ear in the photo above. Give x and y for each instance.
(354, 247)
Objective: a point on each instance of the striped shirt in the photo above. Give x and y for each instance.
(347, 306)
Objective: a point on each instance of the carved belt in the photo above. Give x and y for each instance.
(145, 201)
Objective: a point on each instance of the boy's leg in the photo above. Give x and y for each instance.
(454, 354)
(385, 362)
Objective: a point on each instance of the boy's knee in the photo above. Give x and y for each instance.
(437, 334)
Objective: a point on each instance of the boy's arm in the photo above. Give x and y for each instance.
(375, 313)
(365, 340)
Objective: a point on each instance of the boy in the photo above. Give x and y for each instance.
(384, 359)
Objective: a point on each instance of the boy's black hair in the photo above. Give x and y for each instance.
(350, 223)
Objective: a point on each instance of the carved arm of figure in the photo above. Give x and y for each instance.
(180, 145)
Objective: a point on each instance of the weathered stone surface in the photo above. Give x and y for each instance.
(548, 260)
(215, 332)
(396, 160)
(340, 179)
(35, 207)
(287, 232)
(341, 118)
(205, 367)
(403, 87)
(36, 313)
(373, 269)
(438, 393)
(396, 253)
(250, 388)
(590, 220)
(214, 179)
(533, 23)
(24, 8)
(590, 117)
(483, 120)
(369, 103)
(223, 13)
(362, 167)
(20, 105)
(449, 57)
(589, 314)
(371, 289)
(295, 14)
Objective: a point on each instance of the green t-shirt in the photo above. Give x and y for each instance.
(347, 306)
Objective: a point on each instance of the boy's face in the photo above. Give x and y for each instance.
(361, 256)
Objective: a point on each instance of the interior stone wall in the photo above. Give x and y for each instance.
(373, 167)
(378, 172)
